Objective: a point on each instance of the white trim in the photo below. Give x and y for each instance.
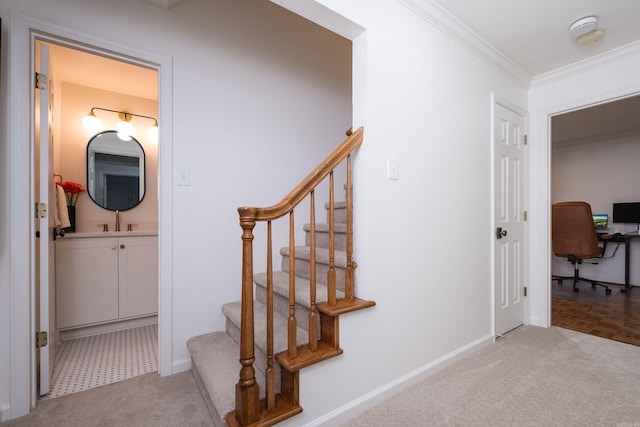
(20, 219)
(433, 13)
(181, 365)
(87, 331)
(613, 54)
(360, 405)
(21, 33)
(5, 410)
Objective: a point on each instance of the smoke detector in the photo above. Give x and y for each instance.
(583, 26)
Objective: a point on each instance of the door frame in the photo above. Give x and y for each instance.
(498, 100)
(23, 31)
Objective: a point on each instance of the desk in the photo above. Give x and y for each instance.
(626, 239)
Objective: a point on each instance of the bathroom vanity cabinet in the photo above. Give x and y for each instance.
(105, 279)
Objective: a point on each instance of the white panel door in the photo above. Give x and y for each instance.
(45, 192)
(509, 169)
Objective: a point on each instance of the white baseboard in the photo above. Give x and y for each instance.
(5, 410)
(360, 405)
(88, 331)
(181, 366)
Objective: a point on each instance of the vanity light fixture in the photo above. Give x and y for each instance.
(124, 127)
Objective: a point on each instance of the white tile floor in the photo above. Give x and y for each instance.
(84, 363)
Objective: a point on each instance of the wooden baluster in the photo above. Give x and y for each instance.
(331, 274)
(348, 274)
(292, 350)
(247, 389)
(313, 313)
(271, 372)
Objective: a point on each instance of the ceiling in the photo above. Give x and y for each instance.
(81, 68)
(615, 119)
(535, 33)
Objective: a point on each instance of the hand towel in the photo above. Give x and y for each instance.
(60, 213)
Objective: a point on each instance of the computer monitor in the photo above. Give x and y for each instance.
(601, 220)
(628, 213)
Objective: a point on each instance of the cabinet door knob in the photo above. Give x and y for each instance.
(113, 248)
(122, 246)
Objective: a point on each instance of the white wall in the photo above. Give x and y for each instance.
(260, 96)
(602, 173)
(603, 78)
(423, 242)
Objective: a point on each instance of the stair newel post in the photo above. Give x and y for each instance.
(348, 274)
(247, 389)
(331, 274)
(292, 349)
(313, 313)
(270, 391)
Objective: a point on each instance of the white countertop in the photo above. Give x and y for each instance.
(82, 235)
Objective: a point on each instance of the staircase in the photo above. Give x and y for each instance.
(292, 321)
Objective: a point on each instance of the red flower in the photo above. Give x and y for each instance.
(71, 191)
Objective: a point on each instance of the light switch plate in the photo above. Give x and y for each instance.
(392, 168)
(183, 177)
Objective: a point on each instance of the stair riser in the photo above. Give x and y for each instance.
(302, 270)
(322, 240)
(339, 216)
(281, 305)
(260, 364)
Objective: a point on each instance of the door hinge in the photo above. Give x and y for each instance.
(526, 140)
(525, 215)
(41, 210)
(41, 339)
(42, 81)
(525, 291)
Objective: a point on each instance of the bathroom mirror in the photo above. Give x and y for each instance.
(115, 171)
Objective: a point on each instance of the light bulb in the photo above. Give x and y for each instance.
(124, 136)
(91, 122)
(124, 128)
(153, 132)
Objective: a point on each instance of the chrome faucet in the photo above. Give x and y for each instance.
(117, 220)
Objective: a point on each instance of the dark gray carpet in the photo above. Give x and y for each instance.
(587, 294)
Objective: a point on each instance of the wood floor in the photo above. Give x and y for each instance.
(618, 320)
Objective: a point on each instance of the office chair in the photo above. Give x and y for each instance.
(574, 237)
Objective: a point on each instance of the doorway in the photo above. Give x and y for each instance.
(78, 82)
(593, 152)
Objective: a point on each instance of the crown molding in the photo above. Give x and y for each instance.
(610, 55)
(164, 4)
(441, 19)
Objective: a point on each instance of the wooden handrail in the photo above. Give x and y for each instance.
(298, 194)
(247, 409)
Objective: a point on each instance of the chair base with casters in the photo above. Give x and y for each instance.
(576, 276)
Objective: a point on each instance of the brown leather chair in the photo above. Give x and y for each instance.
(574, 237)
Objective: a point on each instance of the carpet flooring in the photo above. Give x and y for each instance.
(531, 377)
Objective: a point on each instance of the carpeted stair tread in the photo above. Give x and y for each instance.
(322, 227)
(322, 255)
(281, 287)
(216, 368)
(233, 313)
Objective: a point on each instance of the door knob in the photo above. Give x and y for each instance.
(500, 233)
